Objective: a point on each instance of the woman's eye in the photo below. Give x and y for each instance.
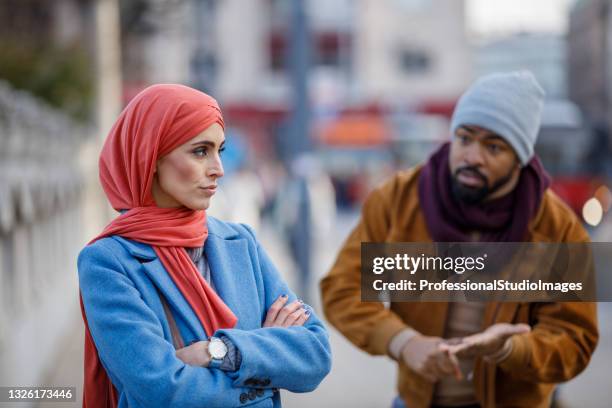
(221, 150)
(200, 152)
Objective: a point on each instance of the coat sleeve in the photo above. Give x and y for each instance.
(563, 336)
(559, 345)
(131, 345)
(368, 325)
(292, 358)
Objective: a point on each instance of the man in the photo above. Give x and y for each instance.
(484, 185)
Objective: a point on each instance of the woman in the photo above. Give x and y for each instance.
(182, 310)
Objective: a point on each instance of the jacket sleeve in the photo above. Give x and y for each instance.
(564, 334)
(559, 346)
(368, 325)
(131, 344)
(293, 358)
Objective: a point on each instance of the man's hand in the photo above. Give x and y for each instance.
(487, 342)
(426, 356)
(195, 354)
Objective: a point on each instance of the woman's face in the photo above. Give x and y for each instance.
(187, 176)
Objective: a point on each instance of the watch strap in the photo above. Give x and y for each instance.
(215, 363)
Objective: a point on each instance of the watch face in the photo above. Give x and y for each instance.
(217, 349)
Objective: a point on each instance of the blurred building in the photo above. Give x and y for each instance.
(157, 43)
(413, 50)
(211, 44)
(589, 42)
(362, 51)
(253, 43)
(367, 56)
(541, 53)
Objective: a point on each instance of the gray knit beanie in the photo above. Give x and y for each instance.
(509, 104)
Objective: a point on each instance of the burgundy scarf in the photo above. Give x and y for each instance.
(505, 219)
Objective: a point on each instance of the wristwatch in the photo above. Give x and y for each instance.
(217, 351)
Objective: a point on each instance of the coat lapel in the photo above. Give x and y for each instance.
(231, 272)
(156, 272)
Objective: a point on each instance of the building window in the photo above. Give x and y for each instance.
(414, 61)
(326, 49)
(277, 51)
(329, 48)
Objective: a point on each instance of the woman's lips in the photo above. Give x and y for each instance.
(210, 190)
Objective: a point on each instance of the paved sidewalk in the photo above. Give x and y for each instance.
(357, 380)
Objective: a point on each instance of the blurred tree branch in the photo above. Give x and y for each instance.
(34, 60)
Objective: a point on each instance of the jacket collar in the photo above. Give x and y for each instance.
(223, 247)
(221, 229)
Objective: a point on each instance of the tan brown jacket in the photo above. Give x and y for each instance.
(558, 348)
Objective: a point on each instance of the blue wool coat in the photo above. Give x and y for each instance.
(118, 280)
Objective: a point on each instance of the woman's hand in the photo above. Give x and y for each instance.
(279, 315)
(282, 315)
(195, 354)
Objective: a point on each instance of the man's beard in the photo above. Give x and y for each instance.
(475, 195)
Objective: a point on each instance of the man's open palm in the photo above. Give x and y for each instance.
(487, 342)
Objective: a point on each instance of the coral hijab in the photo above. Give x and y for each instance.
(155, 122)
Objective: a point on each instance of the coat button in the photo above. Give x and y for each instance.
(243, 398)
(259, 392)
(266, 382)
(252, 395)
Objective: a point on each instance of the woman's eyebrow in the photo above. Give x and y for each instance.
(207, 143)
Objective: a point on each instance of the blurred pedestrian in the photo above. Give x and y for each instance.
(486, 184)
(181, 309)
(293, 211)
(599, 154)
(306, 211)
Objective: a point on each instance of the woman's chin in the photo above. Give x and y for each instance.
(198, 205)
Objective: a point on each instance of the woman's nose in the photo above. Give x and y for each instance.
(215, 169)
